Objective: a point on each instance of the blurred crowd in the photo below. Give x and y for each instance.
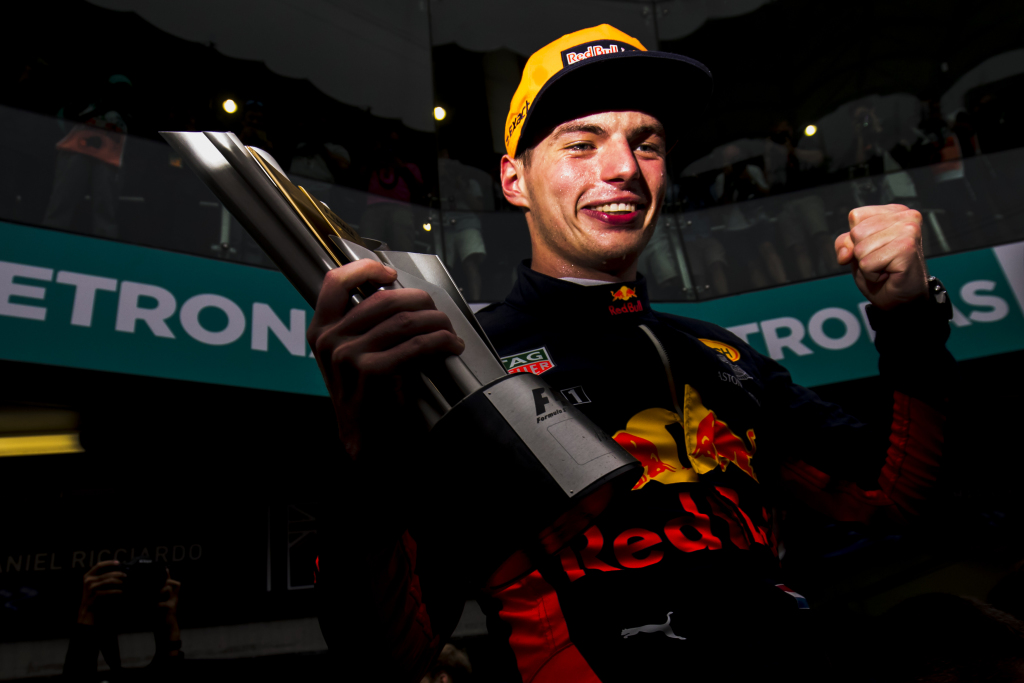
(766, 211)
(753, 213)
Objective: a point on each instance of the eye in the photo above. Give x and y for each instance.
(581, 146)
(648, 147)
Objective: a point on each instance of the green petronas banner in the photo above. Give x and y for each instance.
(820, 332)
(100, 305)
(90, 303)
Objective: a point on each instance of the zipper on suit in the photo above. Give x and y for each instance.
(667, 365)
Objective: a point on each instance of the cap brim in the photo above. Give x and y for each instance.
(672, 88)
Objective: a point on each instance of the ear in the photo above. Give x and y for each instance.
(512, 182)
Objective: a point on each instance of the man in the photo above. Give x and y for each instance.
(678, 578)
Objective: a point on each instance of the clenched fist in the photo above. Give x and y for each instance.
(883, 248)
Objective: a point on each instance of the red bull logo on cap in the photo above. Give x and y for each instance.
(654, 437)
(594, 49)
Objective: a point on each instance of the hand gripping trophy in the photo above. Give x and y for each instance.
(531, 484)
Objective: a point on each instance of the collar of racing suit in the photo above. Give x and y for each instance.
(550, 298)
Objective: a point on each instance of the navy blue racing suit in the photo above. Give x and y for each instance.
(679, 579)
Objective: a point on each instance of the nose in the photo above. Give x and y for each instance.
(618, 163)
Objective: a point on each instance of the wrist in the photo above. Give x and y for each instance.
(168, 630)
(924, 317)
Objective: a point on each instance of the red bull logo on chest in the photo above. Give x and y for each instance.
(623, 293)
(656, 436)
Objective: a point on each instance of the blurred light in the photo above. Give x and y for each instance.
(440, 113)
(40, 444)
(426, 226)
(810, 130)
(230, 106)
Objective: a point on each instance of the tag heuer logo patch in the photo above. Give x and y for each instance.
(537, 362)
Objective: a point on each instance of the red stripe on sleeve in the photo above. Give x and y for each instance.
(910, 469)
(540, 637)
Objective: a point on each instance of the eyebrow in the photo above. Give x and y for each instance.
(594, 129)
(576, 127)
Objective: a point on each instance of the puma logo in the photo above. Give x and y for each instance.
(665, 628)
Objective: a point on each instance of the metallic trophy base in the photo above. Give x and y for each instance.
(515, 472)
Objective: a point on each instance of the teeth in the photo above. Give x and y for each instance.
(621, 207)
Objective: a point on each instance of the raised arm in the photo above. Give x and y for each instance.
(845, 476)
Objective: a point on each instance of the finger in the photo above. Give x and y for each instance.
(396, 330)
(106, 581)
(906, 234)
(412, 353)
(339, 283)
(383, 305)
(173, 583)
(340, 344)
(105, 578)
(844, 249)
(862, 213)
(112, 591)
(890, 259)
(100, 565)
(880, 222)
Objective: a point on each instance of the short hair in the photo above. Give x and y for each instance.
(524, 156)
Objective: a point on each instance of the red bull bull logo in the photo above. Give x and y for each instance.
(655, 436)
(623, 293)
(647, 438)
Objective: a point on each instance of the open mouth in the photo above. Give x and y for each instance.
(615, 213)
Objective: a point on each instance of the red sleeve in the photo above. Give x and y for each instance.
(910, 469)
(373, 614)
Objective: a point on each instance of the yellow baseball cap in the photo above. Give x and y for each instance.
(602, 69)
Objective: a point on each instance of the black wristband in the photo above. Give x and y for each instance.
(926, 318)
(911, 341)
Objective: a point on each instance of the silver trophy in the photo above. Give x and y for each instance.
(504, 485)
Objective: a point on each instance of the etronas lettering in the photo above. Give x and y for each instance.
(536, 362)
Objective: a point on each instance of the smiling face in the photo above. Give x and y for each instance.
(592, 191)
